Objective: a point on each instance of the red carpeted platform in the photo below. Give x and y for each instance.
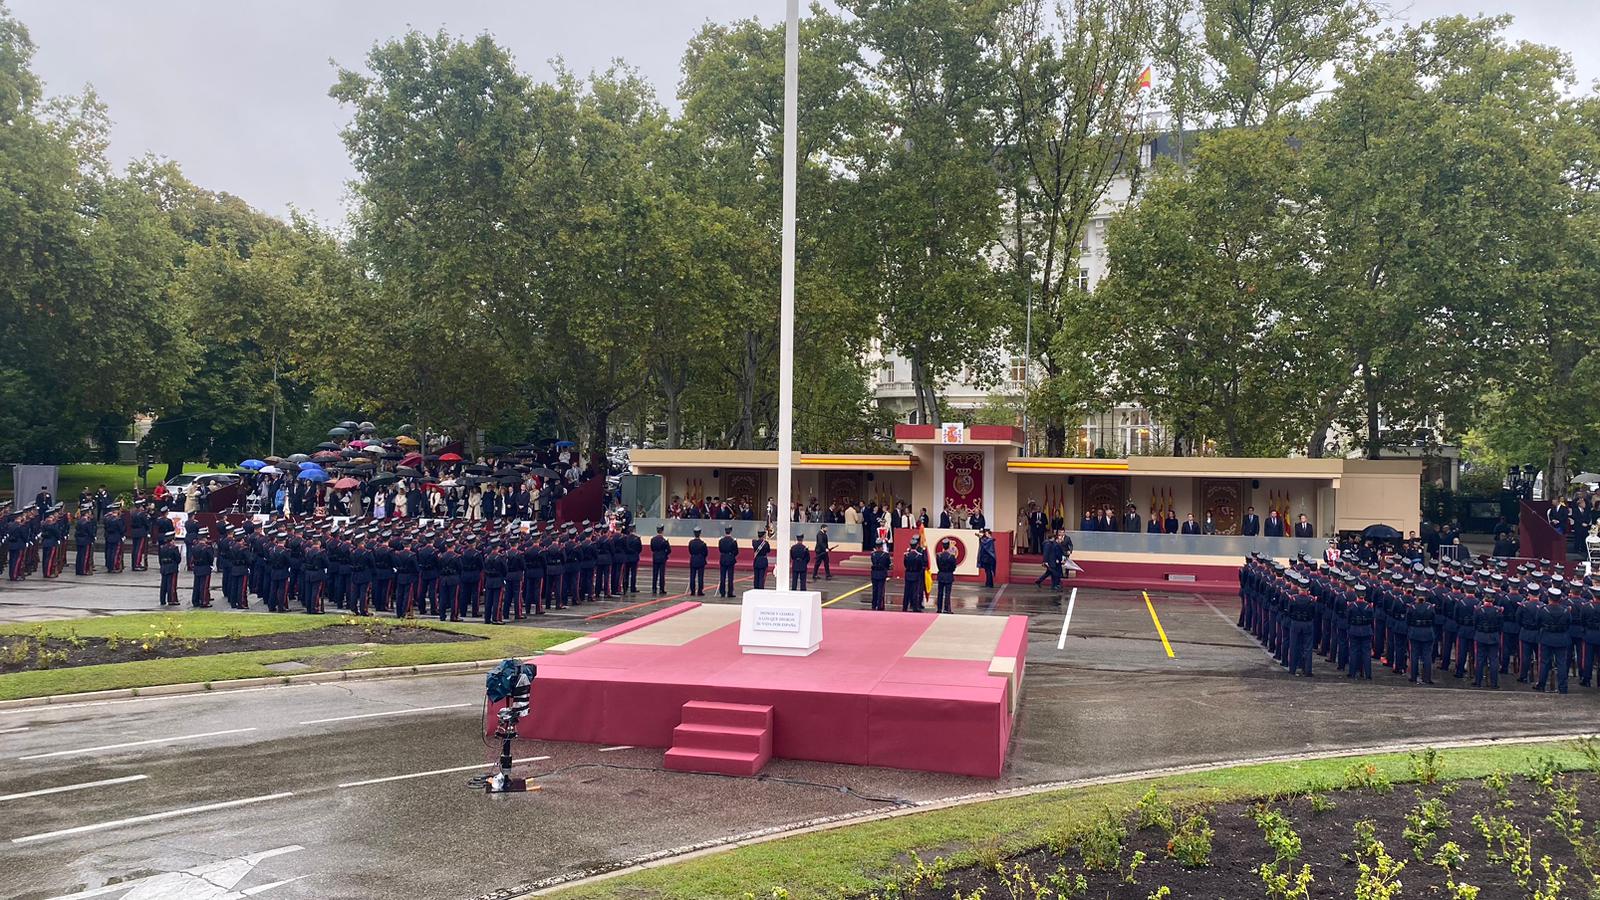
(909, 691)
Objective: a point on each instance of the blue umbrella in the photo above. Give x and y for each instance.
(313, 475)
(252, 464)
(563, 443)
(309, 465)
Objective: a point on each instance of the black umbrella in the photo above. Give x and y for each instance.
(477, 469)
(367, 427)
(1380, 532)
(350, 425)
(474, 479)
(383, 478)
(327, 445)
(406, 471)
(496, 450)
(394, 456)
(428, 479)
(543, 472)
(338, 432)
(509, 479)
(407, 429)
(432, 457)
(349, 454)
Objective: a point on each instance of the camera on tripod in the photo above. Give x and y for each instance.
(511, 682)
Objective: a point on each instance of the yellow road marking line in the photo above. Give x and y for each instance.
(848, 594)
(1159, 630)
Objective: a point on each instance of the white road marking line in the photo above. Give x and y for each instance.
(621, 747)
(202, 882)
(1072, 601)
(165, 740)
(152, 817)
(351, 784)
(72, 787)
(1253, 642)
(392, 712)
(15, 730)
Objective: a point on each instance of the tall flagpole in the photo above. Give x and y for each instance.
(791, 98)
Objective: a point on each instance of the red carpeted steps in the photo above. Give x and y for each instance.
(724, 738)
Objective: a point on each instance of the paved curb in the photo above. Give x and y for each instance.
(547, 886)
(212, 687)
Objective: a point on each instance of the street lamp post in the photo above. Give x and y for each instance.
(1027, 347)
(791, 99)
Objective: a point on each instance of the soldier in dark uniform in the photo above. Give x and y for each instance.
(140, 532)
(619, 553)
(313, 575)
(759, 551)
(450, 584)
(278, 575)
(882, 562)
(1487, 620)
(514, 571)
(916, 565)
(601, 545)
(820, 557)
(587, 560)
(427, 558)
(697, 565)
(471, 587)
(356, 598)
(51, 534)
(204, 558)
(1555, 641)
(945, 579)
(1419, 615)
(1510, 642)
(533, 576)
(1529, 617)
(1360, 614)
(113, 543)
(660, 549)
(1466, 616)
(727, 558)
(405, 579)
(987, 558)
(1590, 617)
(167, 561)
(799, 556)
(494, 583)
(632, 549)
(569, 567)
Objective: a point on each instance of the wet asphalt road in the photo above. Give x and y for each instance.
(293, 818)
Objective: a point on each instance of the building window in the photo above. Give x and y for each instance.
(886, 373)
(1019, 370)
(1082, 281)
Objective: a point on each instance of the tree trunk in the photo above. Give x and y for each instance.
(1319, 441)
(599, 435)
(745, 437)
(674, 420)
(1374, 439)
(1555, 475)
(1055, 439)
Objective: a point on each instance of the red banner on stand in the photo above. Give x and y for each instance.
(963, 480)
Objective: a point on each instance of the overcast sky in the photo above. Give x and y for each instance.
(236, 91)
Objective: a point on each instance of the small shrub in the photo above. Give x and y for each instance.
(1455, 890)
(1366, 775)
(1500, 784)
(1377, 873)
(1544, 773)
(1554, 881)
(1068, 885)
(1134, 862)
(1160, 893)
(1423, 824)
(1590, 748)
(1101, 843)
(1154, 813)
(988, 853)
(1450, 857)
(1564, 814)
(1279, 833)
(1286, 885)
(1190, 844)
(1426, 765)
(1321, 804)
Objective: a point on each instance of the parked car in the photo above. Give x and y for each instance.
(178, 486)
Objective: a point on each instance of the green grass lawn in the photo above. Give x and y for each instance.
(852, 860)
(118, 479)
(501, 641)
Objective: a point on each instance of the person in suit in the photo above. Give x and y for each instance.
(1209, 526)
(760, 550)
(1036, 525)
(1190, 526)
(727, 558)
(1303, 529)
(1086, 522)
(1130, 520)
(820, 560)
(916, 564)
(944, 518)
(799, 556)
(1252, 523)
(1274, 525)
(697, 565)
(1156, 523)
(1107, 521)
(881, 563)
(987, 558)
(946, 578)
(976, 521)
(1170, 524)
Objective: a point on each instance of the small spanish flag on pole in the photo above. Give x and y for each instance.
(1145, 78)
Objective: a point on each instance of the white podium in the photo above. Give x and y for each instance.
(785, 623)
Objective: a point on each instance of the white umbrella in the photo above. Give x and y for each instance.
(272, 470)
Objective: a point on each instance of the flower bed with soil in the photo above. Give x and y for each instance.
(23, 652)
(1523, 835)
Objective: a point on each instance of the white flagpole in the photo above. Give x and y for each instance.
(791, 97)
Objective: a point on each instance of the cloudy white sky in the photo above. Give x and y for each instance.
(237, 91)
